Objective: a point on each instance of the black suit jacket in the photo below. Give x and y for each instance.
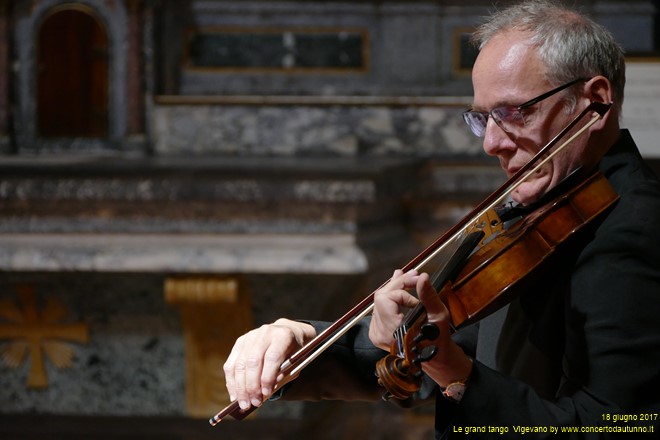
(578, 351)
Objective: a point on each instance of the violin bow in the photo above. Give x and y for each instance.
(292, 367)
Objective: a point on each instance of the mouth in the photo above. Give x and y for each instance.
(511, 171)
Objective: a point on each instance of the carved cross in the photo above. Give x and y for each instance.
(37, 333)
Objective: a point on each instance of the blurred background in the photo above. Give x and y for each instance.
(174, 173)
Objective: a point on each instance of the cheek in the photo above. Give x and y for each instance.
(537, 137)
(526, 148)
(568, 160)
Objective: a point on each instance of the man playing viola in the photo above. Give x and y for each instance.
(584, 343)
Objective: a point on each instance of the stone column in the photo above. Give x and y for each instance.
(135, 119)
(4, 74)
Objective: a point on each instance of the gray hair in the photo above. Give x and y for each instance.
(570, 44)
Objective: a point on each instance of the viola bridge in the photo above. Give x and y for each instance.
(489, 223)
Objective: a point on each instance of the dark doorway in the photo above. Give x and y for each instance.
(72, 76)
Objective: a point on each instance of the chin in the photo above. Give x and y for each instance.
(529, 192)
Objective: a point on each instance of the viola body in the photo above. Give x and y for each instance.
(504, 265)
(513, 259)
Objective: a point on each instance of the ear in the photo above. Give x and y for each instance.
(599, 89)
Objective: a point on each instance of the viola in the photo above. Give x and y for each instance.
(487, 262)
(493, 275)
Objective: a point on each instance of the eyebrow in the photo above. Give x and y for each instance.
(473, 107)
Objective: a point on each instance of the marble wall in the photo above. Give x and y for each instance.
(313, 130)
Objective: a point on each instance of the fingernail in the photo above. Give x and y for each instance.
(256, 402)
(243, 404)
(232, 397)
(266, 391)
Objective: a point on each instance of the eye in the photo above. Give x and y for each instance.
(509, 115)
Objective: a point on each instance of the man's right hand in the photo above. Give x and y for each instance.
(253, 366)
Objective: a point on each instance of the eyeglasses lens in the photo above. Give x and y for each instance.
(477, 122)
(510, 119)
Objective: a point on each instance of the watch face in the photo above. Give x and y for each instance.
(454, 391)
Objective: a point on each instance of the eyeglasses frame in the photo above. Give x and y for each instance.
(522, 106)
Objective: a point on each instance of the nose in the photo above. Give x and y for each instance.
(497, 142)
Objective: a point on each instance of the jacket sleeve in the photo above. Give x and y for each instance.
(346, 370)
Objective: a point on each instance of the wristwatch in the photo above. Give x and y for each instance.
(454, 391)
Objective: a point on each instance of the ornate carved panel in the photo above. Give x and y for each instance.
(40, 333)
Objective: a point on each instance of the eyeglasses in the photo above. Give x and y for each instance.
(508, 117)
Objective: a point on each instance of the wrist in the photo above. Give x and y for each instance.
(455, 367)
(303, 331)
(452, 372)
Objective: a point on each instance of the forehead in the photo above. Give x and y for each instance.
(508, 70)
